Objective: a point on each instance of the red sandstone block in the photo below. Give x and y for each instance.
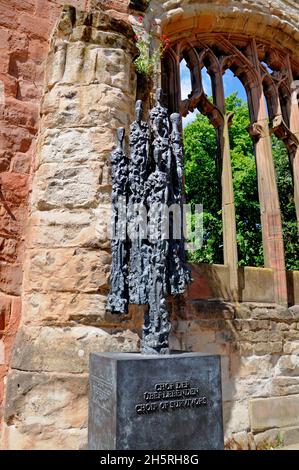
(18, 42)
(4, 35)
(8, 251)
(3, 370)
(4, 163)
(20, 113)
(10, 278)
(21, 5)
(38, 50)
(14, 183)
(13, 225)
(21, 163)
(8, 17)
(35, 27)
(15, 138)
(15, 315)
(10, 85)
(48, 9)
(4, 61)
(2, 321)
(5, 311)
(28, 70)
(29, 91)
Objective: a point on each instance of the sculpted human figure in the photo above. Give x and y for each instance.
(180, 274)
(139, 150)
(118, 297)
(157, 324)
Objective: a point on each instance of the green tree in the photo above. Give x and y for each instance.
(203, 187)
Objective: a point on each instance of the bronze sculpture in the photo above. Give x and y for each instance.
(152, 256)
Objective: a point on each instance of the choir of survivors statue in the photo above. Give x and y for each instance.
(148, 246)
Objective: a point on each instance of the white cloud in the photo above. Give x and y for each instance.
(206, 82)
(185, 81)
(189, 118)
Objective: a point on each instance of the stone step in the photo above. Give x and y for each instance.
(278, 438)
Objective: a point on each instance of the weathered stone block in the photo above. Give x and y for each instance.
(284, 436)
(243, 367)
(94, 105)
(10, 278)
(261, 349)
(204, 285)
(67, 270)
(287, 365)
(40, 401)
(293, 287)
(238, 441)
(37, 438)
(75, 145)
(235, 416)
(40, 28)
(93, 64)
(36, 348)
(274, 412)
(291, 347)
(66, 185)
(285, 386)
(236, 389)
(64, 308)
(256, 285)
(19, 113)
(71, 228)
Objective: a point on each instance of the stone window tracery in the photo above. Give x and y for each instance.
(269, 78)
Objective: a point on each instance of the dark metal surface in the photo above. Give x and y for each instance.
(149, 265)
(143, 402)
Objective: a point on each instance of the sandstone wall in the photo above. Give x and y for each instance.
(90, 90)
(25, 28)
(259, 347)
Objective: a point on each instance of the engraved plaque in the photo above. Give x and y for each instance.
(155, 402)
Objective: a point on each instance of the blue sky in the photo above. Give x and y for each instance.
(231, 84)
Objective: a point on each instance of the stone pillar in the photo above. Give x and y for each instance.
(294, 127)
(267, 186)
(90, 91)
(230, 248)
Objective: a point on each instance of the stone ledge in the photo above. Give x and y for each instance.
(66, 350)
(277, 412)
(288, 436)
(71, 18)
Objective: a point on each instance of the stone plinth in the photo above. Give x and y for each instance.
(140, 402)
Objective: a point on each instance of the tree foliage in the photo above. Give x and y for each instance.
(202, 182)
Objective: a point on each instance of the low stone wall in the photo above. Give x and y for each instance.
(211, 281)
(259, 346)
(258, 343)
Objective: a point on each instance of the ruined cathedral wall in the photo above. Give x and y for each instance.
(275, 20)
(25, 29)
(90, 91)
